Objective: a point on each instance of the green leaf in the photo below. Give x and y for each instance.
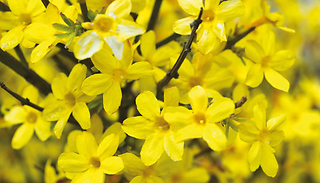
(67, 20)
(240, 120)
(234, 127)
(63, 35)
(70, 40)
(92, 15)
(61, 27)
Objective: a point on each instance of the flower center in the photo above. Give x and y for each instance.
(162, 124)
(103, 23)
(208, 15)
(148, 172)
(265, 61)
(95, 162)
(32, 117)
(264, 136)
(200, 118)
(195, 81)
(25, 19)
(70, 99)
(118, 75)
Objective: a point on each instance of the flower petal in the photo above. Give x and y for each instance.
(254, 155)
(16, 115)
(104, 61)
(72, 162)
(96, 84)
(269, 163)
(40, 51)
(172, 147)
(119, 9)
(254, 52)
(191, 131)
(128, 29)
(76, 77)
(183, 26)
(191, 7)
(171, 96)
(198, 99)
(229, 10)
(268, 43)
(220, 109)
(147, 105)
(219, 30)
(215, 137)
(22, 136)
(59, 86)
(108, 146)
(82, 115)
(148, 44)
(112, 98)
(138, 127)
(88, 44)
(112, 165)
(254, 76)
(152, 149)
(282, 60)
(58, 128)
(277, 80)
(12, 38)
(86, 144)
(138, 70)
(115, 45)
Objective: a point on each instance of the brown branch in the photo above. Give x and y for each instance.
(31, 76)
(172, 37)
(45, 3)
(4, 7)
(24, 101)
(154, 15)
(241, 102)
(84, 10)
(232, 42)
(186, 49)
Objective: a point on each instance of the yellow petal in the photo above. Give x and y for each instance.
(172, 147)
(59, 86)
(171, 96)
(268, 43)
(255, 156)
(191, 7)
(138, 127)
(211, 4)
(86, 144)
(196, 175)
(254, 76)
(275, 138)
(115, 45)
(112, 98)
(54, 111)
(229, 10)
(90, 175)
(269, 163)
(76, 77)
(96, 84)
(22, 136)
(148, 47)
(248, 132)
(277, 80)
(138, 70)
(119, 9)
(58, 128)
(282, 60)
(215, 137)
(104, 61)
(43, 129)
(254, 51)
(219, 30)
(259, 113)
(112, 165)
(198, 99)
(191, 131)
(17, 7)
(117, 130)
(219, 110)
(12, 38)
(82, 115)
(35, 7)
(108, 146)
(41, 50)
(39, 32)
(274, 123)
(182, 26)
(147, 105)
(16, 115)
(152, 149)
(207, 40)
(128, 29)
(88, 44)
(133, 165)
(72, 162)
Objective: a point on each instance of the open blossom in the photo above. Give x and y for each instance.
(111, 28)
(212, 31)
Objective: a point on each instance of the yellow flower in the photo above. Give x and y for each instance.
(31, 119)
(111, 28)
(114, 73)
(267, 62)
(215, 14)
(70, 99)
(135, 171)
(263, 136)
(43, 33)
(92, 162)
(202, 121)
(152, 127)
(22, 14)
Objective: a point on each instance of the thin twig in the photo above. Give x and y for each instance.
(24, 101)
(172, 37)
(232, 42)
(154, 15)
(20, 54)
(84, 10)
(186, 49)
(240, 102)
(29, 75)
(45, 2)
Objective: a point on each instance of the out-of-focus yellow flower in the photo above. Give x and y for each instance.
(111, 28)
(31, 119)
(215, 14)
(22, 14)
(114, 73)
(202, 121)
(152, 127)
(92, 162)
(267, 62)
(264, 135)
(70, 99)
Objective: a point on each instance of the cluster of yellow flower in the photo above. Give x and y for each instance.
(183, 92)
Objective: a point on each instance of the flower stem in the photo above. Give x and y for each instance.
(172, 37)
(20, 54)
(31, 76)
(232, 42)
(154, 15)
(4, 7)
(24, 101)
(84, 10)
(173, 73)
